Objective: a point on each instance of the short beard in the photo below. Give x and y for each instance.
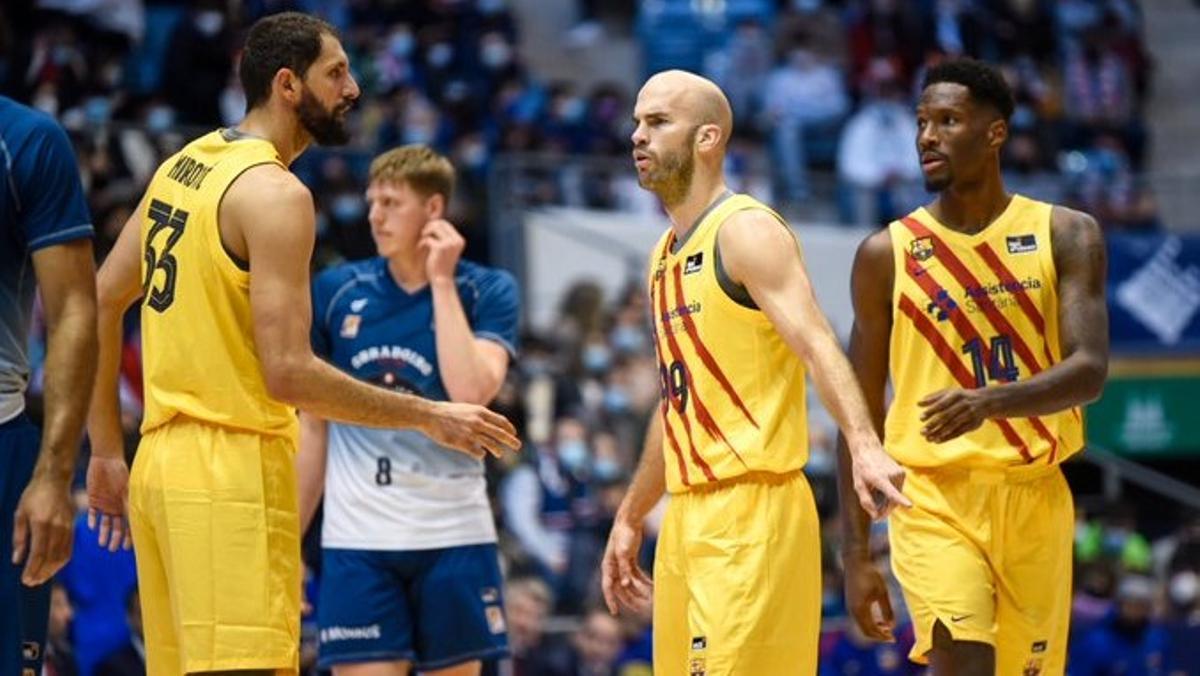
(937, 185)
(673, 180)
(323, 125)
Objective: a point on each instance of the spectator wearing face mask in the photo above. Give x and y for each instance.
(1131, 642)
(545, 500)
(198, 62)
(1183, 596)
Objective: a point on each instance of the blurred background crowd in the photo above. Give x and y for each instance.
(822, 92)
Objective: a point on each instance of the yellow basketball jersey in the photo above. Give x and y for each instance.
(198, 354)
(732, 390)
(969, 311)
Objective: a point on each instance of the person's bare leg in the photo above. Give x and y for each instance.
(960, 658)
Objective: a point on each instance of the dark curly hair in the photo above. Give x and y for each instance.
(985, 83)
(286, 40)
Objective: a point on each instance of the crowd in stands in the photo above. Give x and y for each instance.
(819, 87)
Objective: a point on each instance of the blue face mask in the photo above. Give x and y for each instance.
(596, 358)
(401, 44)
(628, 339)
(606, 469)
(615, 400)
(160, 119)
(440, 55)
(347, 208)
(573, 454)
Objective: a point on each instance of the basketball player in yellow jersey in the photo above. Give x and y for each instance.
(219, 251)
(988, 309)
(737, 574)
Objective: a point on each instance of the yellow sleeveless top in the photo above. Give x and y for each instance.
(969, 311)
(732, 390)
(198, 353)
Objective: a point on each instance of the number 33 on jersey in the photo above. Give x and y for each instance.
(195, 295)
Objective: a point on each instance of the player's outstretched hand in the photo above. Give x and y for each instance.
(472, 429)
(622, 580)
(950, 413)
(42, 529)
(878, 481)
(867, 599)
(108, 501)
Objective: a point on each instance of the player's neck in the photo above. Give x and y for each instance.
(408, 270)
(970, 209)
(703, 192)
(282, 130)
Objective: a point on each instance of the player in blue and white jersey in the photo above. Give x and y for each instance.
(410, 569)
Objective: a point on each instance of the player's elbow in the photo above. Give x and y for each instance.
(1095, 373)
(473, 392)
(284, 377)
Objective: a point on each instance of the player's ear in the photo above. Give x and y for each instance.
(287, 84)
(435, 206)
(997, 133)
(708, 137)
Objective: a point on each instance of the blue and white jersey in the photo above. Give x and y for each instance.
(397, 489)
(41, 204)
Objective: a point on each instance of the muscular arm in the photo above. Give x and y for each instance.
(472, 369)
(1080, 260)
(310, 465)
(66, 277)
(762, 255)
(759, 253)
(269, 214)
(871, 290)
(274, 214)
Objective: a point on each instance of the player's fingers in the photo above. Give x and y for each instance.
(58, 551)
(501, 438)
(641, 577)
(606, 582)
(127, 542)
(117, 536)
(955, 423)
(20, 537)
(91, 518)
(931, 397)
(105, 530)
(892, 493)
(937, 405)
(865, 620)
(499, 421)
(866, 499)
(938, 421)
(37, 555)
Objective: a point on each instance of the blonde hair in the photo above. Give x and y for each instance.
(423, 169)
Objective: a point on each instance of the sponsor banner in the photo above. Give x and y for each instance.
(1154, 294)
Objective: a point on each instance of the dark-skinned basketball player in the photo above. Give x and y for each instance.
(987, 311)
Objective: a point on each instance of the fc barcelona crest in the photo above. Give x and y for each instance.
(921, 248)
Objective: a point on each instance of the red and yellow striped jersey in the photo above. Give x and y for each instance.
(969, 311)
(733, 391)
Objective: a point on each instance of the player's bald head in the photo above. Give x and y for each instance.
(693, 97)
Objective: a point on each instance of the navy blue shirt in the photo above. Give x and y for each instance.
(372, 329)
(41, 204)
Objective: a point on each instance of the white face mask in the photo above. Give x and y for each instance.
(209, 22)
(1183, 588)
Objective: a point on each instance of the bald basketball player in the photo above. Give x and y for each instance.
(737, 574)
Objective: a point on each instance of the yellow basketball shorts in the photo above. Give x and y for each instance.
(737, 580)
(988, 554)
(216, 533)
